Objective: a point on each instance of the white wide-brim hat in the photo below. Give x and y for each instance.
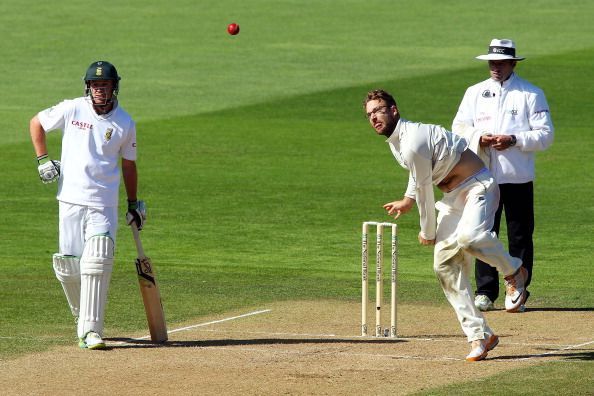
(504, 49)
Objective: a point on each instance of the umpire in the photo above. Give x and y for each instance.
(506, 120)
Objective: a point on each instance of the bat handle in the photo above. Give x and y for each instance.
(136, 234)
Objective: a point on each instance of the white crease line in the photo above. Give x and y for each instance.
(204, 324)
(219, 321)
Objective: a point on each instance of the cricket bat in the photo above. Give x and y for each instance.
(149, 289)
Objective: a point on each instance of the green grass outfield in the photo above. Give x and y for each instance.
(255, 159)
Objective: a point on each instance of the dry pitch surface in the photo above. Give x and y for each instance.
(301, 348)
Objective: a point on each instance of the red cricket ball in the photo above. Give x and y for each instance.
(233, 29)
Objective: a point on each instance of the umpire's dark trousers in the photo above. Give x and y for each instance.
(518, 202)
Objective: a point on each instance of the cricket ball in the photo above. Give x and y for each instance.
(233, 29)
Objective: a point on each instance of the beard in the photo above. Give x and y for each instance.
(385, 128)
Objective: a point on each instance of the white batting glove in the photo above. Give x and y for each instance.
(49, 170)
(136, 213)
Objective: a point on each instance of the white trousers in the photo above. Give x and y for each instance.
(78, 223)
(464, 223)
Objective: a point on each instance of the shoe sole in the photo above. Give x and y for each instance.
(477, 358)
(96, 346)
(83, 345)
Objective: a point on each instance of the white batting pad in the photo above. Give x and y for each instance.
(96, 265)
(67, 269)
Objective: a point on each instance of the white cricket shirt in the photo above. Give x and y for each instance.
(515, 107)
(429, 152)
(92, 145)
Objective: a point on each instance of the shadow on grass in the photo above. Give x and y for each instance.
(561, 355)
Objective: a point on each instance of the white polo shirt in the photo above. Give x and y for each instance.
(429, 152)
(92, 145)
(515, 107)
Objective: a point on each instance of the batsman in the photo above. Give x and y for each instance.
(96, 133)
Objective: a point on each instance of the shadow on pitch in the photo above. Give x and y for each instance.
(134, 343)
(561, 355)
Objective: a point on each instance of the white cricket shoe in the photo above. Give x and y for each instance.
(480, 348)
(91, 340)
(483, 303)
(515, 293)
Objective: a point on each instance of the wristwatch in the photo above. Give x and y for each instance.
(513, 141)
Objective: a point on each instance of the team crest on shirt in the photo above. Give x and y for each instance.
(487, 94)
(108, 134)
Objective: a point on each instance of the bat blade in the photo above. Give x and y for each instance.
(149, 289)
(151, 298)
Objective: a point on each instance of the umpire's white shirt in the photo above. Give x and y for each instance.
(515, 107)
(429, 152)
(91, 147)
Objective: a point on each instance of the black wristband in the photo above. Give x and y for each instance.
(41, 158)
(133, 205)
(513, 141)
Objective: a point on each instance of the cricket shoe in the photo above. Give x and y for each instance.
(515, 293)
(483, 303)
(91, 340)
(481, 348)
(523, 306)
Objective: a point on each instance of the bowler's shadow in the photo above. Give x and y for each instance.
(587, 355)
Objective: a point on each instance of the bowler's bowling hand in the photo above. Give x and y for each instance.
(397, 208)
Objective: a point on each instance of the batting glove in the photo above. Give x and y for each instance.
(49, 170)
(136, 213)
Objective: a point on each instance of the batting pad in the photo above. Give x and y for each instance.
(96, 265)
(67, 269)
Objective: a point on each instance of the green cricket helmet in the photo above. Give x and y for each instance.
(102, 70)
